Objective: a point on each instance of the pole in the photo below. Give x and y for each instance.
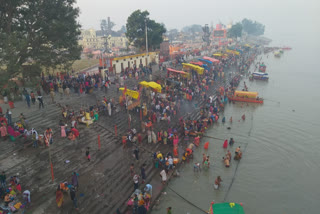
(52, 175)
(140, 113)
(146, 29)
(99, 144)
(51, 166)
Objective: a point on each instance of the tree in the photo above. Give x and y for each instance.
(106, 27)
(123, 29)
(172, 34)
(235, 31)
(136, 30)
(38, 33)
(206, 34)
(253, 28)
(192, 29)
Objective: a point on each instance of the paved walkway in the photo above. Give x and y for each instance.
(105, 182)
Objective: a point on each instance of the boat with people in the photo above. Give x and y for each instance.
(260, 76)
(277, 54)
(226, 208)
(245, 96)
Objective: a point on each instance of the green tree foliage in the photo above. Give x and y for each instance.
(235, 31)
(38, 33)
(253, 27)
(136, 30)
(172, 34)
(106, 27)
(192, 29)
(123, 29)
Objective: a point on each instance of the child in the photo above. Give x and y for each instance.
(132, 170)
(34, 139)
(139, 138)
(88, 154)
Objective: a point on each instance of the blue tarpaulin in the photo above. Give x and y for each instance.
(206, 61)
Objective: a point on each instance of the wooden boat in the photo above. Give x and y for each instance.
(286, 48)
(260, 76)
(245, 96)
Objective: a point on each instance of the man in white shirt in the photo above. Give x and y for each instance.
(148, 189)
(135, 182)
(163, 175)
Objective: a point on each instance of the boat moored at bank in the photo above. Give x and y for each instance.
(245, 96)
(260, 76)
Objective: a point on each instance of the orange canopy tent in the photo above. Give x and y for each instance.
(211, 59)
(197, 63)
(175, 71)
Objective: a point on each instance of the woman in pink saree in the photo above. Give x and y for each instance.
(3, 131)
(63, 131)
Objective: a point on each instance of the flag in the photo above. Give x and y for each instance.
(140, 89)
(124, 92)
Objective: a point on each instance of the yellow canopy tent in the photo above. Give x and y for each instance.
(144, 83)
(131, 93)
(194, 67)
(153, 85)
(233, 52)
(247, 45)
(217, 54)
(220, 55)
(246, 94)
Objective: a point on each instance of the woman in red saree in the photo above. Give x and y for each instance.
(225, 144)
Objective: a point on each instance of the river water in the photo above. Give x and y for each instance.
(279, 171)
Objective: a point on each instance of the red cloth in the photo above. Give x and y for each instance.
(189, 151)
(75, 132)
(197, 141)
(243, 117)
(175, 141)
(139, 138)
(175, 152)
(206, 145)
(3, 119)
(225, 144)
(154, 118)
(12, 132)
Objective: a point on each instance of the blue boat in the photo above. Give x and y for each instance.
(260, 76)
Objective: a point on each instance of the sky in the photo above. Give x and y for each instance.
(284, 19)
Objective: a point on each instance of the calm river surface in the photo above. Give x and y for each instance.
(280, 167)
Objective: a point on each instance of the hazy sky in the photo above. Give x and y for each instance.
(282, 18)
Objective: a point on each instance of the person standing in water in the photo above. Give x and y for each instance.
(169, 210)
(88, 154)
(217, 182)
(225, 144)
(231, 142)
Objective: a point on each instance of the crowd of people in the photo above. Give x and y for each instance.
(179, 91)
(12, 195)
(158, 112)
